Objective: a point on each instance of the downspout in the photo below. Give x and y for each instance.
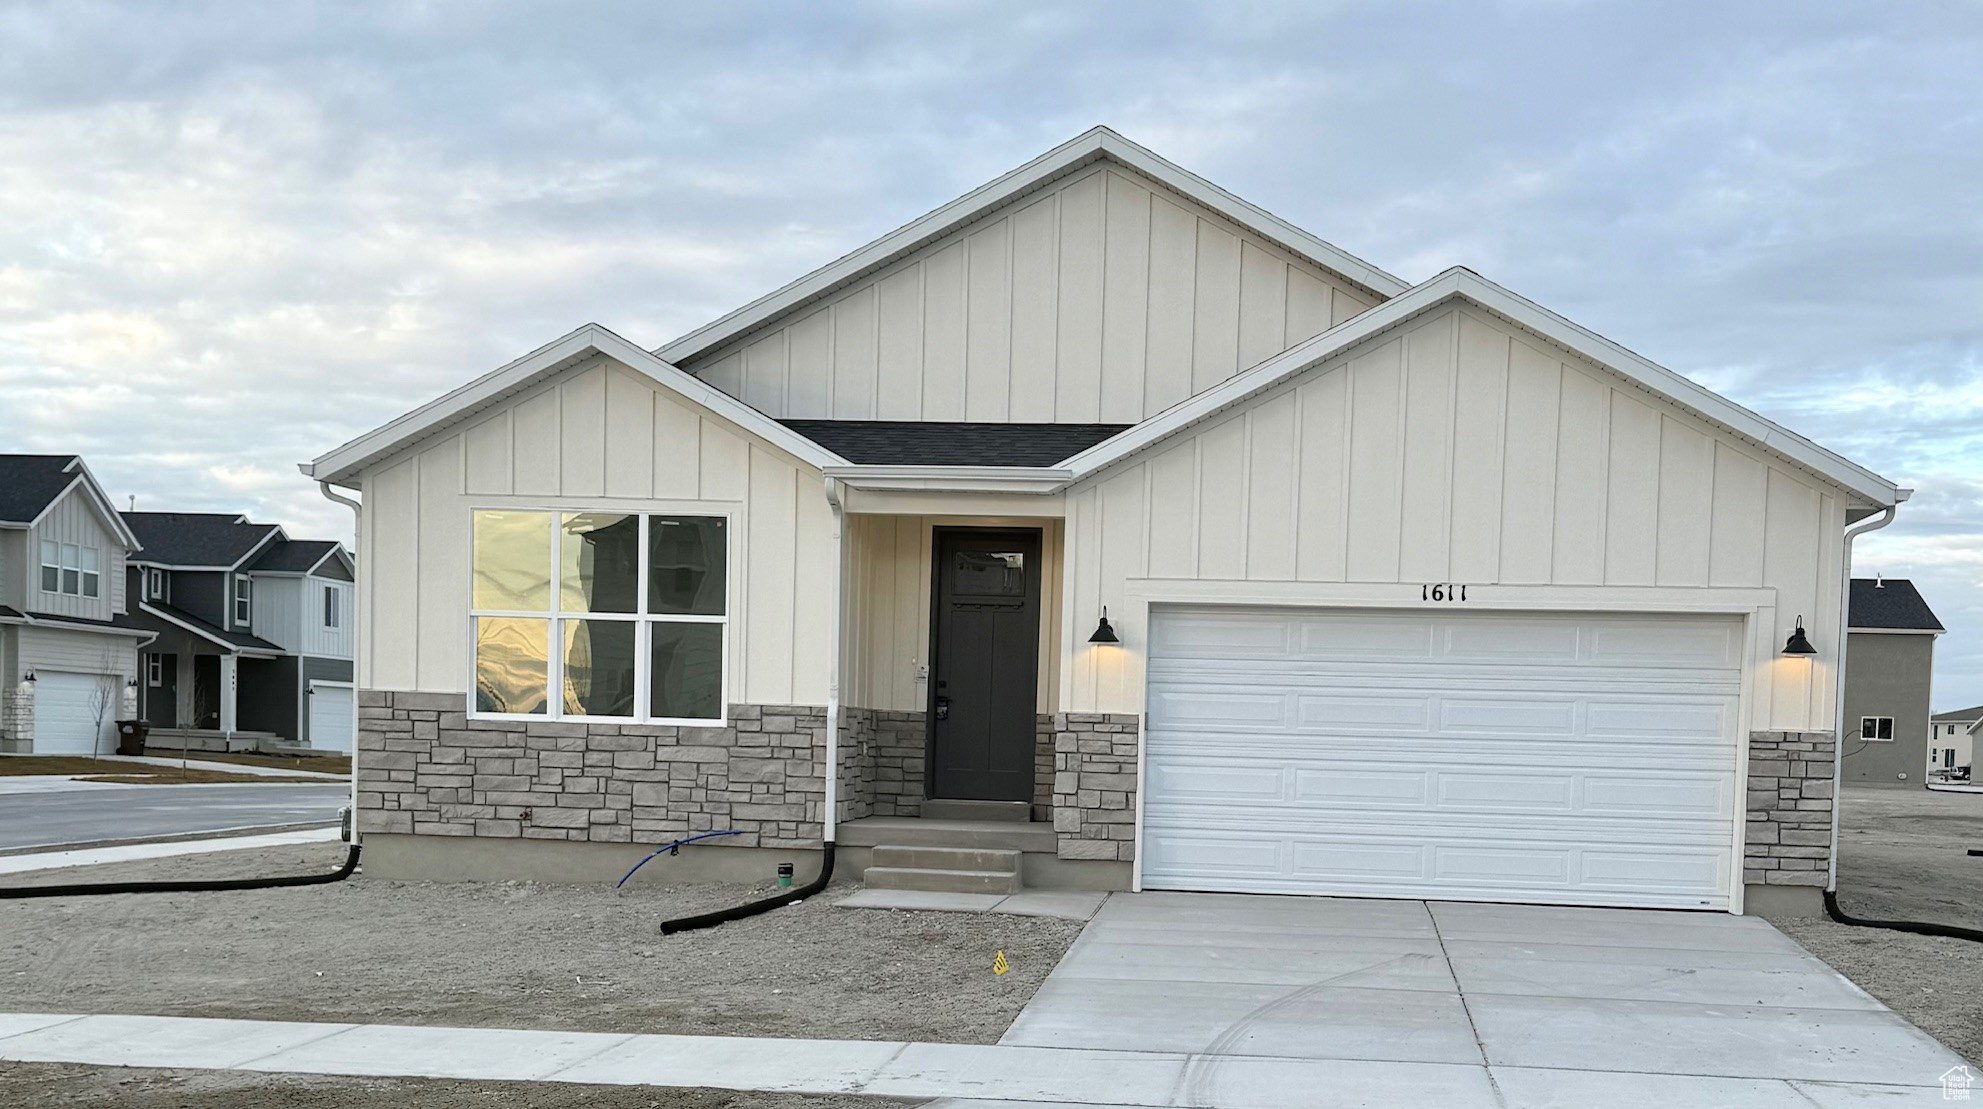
(828, 818)
(357, 640)
(1838, 684)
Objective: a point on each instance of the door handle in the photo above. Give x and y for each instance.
(943, 708)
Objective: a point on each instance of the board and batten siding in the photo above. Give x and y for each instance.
(888, 605)
(276, 610)
(1102, 299)
(1457, 448)
(318, 640)
(597, 436)
(73, 520)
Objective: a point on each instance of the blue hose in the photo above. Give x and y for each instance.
(674, 849)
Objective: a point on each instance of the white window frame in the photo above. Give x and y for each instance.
(69, 563)
(1875, 722)
(154, 584)
(244, 601)
(333, 607)
(155, 671)
(644, 620)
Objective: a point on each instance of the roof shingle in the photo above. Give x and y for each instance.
(195, 538)
(911, 443)
(1891, 603)
(30, 482)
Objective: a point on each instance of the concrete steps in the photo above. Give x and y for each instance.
(1015, 812)
(910, 831)
(943, 869)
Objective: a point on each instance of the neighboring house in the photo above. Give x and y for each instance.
(1890, 661)
(1952, 739)
(1103, 498)
(68, 648)
(254, 632)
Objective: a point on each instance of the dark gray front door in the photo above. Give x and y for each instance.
(984, 672)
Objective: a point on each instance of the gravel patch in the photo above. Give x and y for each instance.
(583, 958)
(1902, 856)
(52, 1085)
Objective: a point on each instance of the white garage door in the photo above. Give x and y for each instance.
(1462, 756)
(330, 718)
(65, 712)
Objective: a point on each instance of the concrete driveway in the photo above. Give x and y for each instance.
(1407, 1002)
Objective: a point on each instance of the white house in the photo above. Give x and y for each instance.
(1951, 738)
(68, 647)
(1106, 518)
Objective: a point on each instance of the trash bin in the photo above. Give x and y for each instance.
(131, 737)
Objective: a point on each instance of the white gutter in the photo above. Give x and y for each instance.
(1873, 523)
(357, 641)
(832, 771)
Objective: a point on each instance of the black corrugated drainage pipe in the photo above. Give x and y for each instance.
(97, 889)
(739, 912)
(1952, 931)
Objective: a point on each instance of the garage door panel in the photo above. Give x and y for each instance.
(1512, 641)
(1352, 639)
(1555, 766)
(66, 711)
(1364, 788)
(1642, 644)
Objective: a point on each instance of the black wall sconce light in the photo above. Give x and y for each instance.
(1103, 632)
(1797, 644)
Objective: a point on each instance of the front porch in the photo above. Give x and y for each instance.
(957, 773)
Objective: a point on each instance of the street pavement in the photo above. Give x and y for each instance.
(106, 812)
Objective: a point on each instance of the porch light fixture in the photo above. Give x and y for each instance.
(30, 677)
(1103, 632)
(1797, 644)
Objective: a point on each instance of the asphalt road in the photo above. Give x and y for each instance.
(136, 812)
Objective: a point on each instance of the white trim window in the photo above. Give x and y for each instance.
(70, 570)
(154, 584)
(244, 601)
(637, 606)
(1878, 729)
(331, 607)
(155, 671)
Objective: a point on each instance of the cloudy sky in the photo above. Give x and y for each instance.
(228, 243)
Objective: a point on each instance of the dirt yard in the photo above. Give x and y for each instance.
(520, 956)
(1902, 856)
(60, 1086)
(116, 772)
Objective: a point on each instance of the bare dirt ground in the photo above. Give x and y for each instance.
(1902, 856)
(518, 956)
(61, 1085)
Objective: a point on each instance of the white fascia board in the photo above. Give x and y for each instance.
(953, 479)
(341, 465)
(86, 481)
(1094, 144)
(1464, 284)
(1896, 631)
(29, 619)
(336, 552)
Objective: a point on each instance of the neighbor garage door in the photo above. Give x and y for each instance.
(1581, 759)
(330, 717)
(65, 712)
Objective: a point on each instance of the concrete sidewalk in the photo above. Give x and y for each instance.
(229, 767)
(965, 1073)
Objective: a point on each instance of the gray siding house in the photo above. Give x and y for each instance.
(68, 647)
(254, 637)
(1890, 660)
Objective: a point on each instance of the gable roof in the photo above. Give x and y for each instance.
(907, 443)
(213, 633)
(186, 540)
(1959, 716)
(294, 556)
(341, 466)
(1460, 283)
(31, 484)
(1096, 144)
(1890, 604)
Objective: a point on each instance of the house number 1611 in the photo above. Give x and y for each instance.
(1442, 591)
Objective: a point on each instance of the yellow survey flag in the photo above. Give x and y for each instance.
(999, 965)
